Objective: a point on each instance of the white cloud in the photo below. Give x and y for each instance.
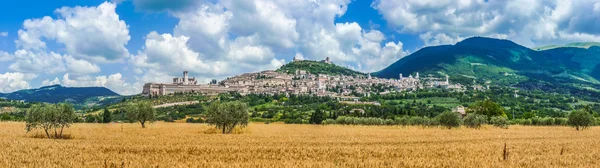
(50, 82)
(4, 56)
(531, 23)
(50, 63)
(3, 34)
(13, 81)
(91, 33)
(37, 62)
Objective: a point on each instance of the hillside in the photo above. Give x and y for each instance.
(573, 45)
(503, 62)
(58, 93)
(316, 67)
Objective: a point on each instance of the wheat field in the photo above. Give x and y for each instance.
(281, 145)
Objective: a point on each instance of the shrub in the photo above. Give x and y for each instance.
(560, 121)
(499, 121)
(536, 121)
(548, 121)
(527, 122)
(449, 119)
(404, 121)
(389, 122)
(580, 119)
(341, 120)
(416, 120)
(473, 120)
(329, 122)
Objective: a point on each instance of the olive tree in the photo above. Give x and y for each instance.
(50, 117)
(141, 112)
(226, 116)
(473, 120)
(580, 119)
(449, 119)
(488, 108)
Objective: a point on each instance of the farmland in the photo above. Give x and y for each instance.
(289, 145)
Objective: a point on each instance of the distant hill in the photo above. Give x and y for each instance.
(574, 45)
(317, 67)
(58, 93)
(504, 62)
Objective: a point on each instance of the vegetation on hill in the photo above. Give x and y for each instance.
(317, 67)
(58, 93)
(505, 63)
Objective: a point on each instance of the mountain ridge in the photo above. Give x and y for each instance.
(58, 93)
(502, 62)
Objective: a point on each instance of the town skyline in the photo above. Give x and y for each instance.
(123, 44)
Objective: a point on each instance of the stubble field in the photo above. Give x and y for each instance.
(279, 145)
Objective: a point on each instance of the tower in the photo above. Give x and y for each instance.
(400, 76)
(447, 81)
(417, 75)
(185, 77)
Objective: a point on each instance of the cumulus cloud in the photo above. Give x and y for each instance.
(532, 23)
(259, 31)
(4, 56)
(3, 34)
(13, 81)
(50, 63)
(91, 33)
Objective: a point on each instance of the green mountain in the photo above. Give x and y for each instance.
(503, 62)
(58, 93)
(317, 67)
(574, 45)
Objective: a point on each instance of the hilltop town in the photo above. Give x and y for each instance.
(344, 86)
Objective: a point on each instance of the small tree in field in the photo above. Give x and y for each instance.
(580, 119)
(140, 112)
(50, 117)
(449, 119)
(226, 116)
(106, 116)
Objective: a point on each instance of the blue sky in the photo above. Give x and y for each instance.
(122, 44)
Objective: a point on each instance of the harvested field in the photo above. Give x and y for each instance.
(280, 145)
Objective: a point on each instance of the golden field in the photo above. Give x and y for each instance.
(280, 145)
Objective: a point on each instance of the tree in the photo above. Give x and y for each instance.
(500, 122)
(580, 119)
(317, 117)
(106, 116)
(473, 120)
(226, 116)
(488, 108)
(140, 112)
(50, 117)
(449, 119)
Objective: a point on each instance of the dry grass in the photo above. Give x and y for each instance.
(279, 145)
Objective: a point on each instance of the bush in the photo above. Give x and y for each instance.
(548, 121)
(560, 121)
(404, 121)
(329, 122)
(473, 120)
(415, 120)
(580, 119)
(499, 121)
(449, 119)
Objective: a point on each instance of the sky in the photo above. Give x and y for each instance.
(122, 44)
